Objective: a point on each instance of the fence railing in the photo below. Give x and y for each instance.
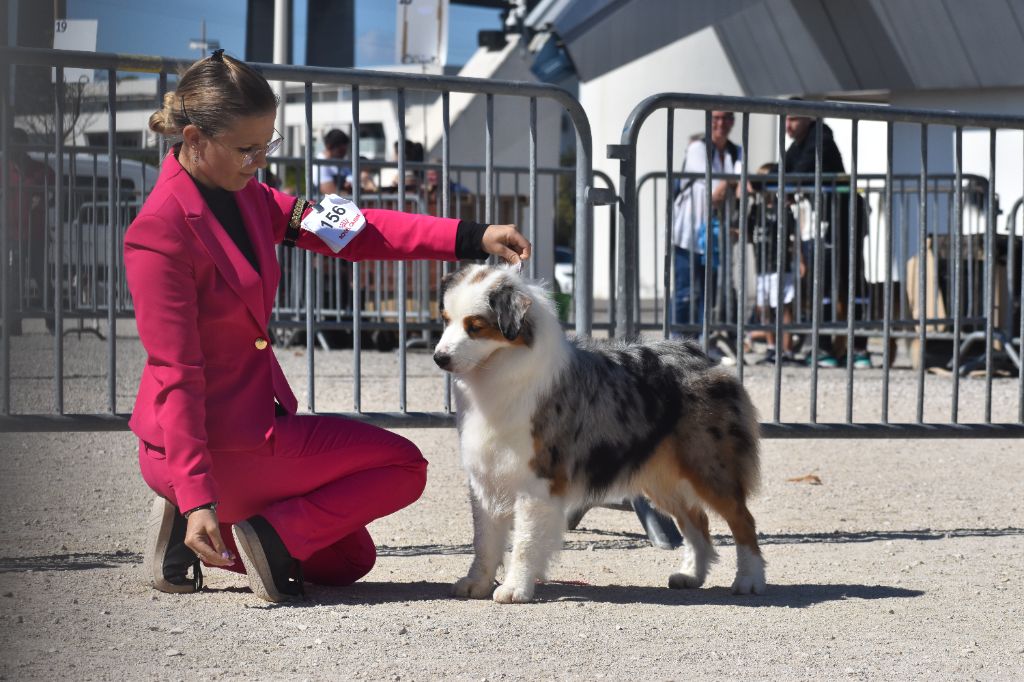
(932, 269)
(872, 195)
(884, 257)
(86, 241)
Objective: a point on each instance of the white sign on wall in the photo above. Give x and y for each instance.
(421, 34)
(74, 34)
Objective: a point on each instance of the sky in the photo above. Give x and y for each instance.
(158, 27)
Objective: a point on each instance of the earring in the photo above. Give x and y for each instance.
(195, 156)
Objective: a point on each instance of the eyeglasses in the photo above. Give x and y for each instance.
(251, 154)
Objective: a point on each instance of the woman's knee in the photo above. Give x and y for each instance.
(407, 455)
(414, 470)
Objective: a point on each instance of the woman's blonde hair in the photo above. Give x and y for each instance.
(211, 95)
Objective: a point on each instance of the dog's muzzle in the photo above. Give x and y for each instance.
(443, 360)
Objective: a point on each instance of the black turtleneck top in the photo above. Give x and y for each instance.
(225, 209)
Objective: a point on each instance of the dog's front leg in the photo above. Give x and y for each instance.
(490, 533)
(539, 525)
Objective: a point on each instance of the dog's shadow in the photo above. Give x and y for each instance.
(799, 595)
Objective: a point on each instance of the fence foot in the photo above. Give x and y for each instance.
(1003, 353)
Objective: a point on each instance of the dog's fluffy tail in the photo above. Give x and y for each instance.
(743, 431)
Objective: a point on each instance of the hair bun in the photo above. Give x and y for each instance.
(162, 121)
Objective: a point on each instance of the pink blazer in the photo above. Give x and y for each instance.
(211, 377)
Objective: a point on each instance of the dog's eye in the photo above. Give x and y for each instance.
(473, 328)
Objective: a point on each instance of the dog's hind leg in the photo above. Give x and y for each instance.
(662, 481)
(699, 553)
(750, 564)
(539, 526)
(490, 533)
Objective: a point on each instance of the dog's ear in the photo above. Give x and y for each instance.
(510, 305)
(447, 281)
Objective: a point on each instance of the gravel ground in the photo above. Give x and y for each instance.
(904, 562)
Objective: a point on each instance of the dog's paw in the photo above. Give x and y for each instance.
(513, 594)
(684, 581)
(472, 588)
(749, 584)
(749, 572)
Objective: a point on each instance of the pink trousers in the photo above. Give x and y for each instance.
(319, 481)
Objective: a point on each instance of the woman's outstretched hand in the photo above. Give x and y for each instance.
(203, 537)
(505, 242)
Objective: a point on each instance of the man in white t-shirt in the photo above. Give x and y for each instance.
(689, 219)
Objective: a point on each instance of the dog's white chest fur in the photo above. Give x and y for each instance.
(496, 453)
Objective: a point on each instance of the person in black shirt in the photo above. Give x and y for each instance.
(800, 158)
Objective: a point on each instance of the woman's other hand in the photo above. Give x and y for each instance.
(506, 242)
(202, 536)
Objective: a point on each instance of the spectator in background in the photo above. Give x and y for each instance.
(366, 181)
(800, 158)
(333, 178)
(413, 177)
(26, 228)
(689, 222)
(763, 234)
(432, 181)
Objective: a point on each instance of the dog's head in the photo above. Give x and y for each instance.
(485, 309)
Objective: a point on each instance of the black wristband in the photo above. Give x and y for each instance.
(469, 239)
(212, 506)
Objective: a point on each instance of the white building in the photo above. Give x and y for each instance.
(614, 53)
(961, 56)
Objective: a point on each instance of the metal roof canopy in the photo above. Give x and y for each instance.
(810, 46)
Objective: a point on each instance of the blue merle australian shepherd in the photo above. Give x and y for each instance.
(548, 425)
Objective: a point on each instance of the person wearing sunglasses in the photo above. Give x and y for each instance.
(242, 481)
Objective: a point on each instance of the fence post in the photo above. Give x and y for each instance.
(5, 308)
(625, 315)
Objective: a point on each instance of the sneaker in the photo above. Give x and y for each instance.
(274, 575)
(789, 359)
(825, 359)
(167, 558)
(862, 360)
(769, 357)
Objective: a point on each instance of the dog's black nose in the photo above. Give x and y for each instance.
(442, 360)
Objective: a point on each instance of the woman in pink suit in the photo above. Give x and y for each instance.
(236, 470)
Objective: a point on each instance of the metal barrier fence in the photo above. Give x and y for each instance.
(32, 250)
(872, 194)
(319, 295)
(88, 232)
(845, 239)
(85, 237)
(333, 302)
